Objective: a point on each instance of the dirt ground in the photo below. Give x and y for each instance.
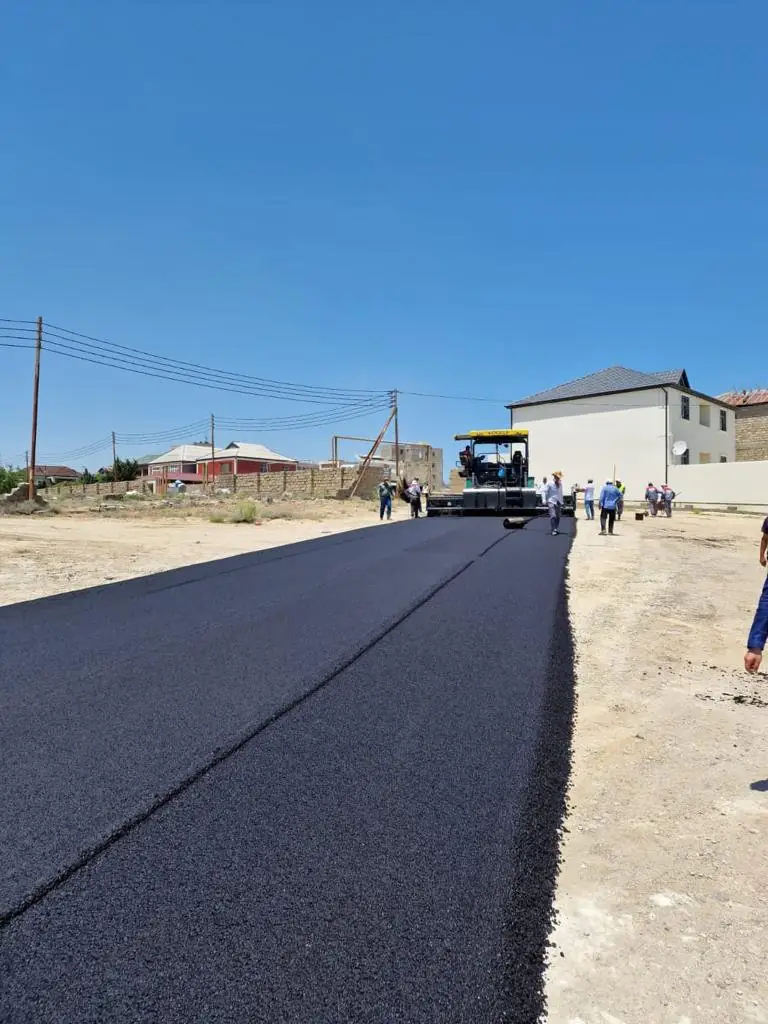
(80, 547)
(663, 897)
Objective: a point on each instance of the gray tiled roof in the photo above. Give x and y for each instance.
(613, 379)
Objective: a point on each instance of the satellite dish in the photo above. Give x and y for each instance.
(679, 448)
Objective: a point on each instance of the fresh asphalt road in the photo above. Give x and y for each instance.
(316, 784)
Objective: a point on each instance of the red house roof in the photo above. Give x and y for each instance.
(64, 472)
(757, 396)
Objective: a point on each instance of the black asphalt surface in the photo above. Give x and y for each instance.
(317, 784)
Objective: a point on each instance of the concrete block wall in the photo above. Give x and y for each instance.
(303, 483)
(79, 490)
(751, 433)
(742, 484)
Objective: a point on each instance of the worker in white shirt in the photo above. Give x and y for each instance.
(554, 499)
(541, 491)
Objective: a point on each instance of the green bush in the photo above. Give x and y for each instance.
(10, 478)
(246, 512)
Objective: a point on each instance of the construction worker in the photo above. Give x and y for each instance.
(620, 503)
(652, 497)
(589, 499)
(609, 499)
(414, 496)
(386, 490)
(554, 500)
(759, 632)
(541, 490)
(668, 496)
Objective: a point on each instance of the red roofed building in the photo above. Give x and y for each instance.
(54, 475)
(751, 423)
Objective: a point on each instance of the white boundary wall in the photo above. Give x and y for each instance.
(729, 483)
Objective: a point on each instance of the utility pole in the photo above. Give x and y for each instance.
(35, 393)
(213, 455)
(114, 460)
(397, 437)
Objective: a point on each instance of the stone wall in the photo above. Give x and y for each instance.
(79, 490)
(301, 483)
(751, 432)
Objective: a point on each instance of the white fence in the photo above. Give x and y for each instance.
(744, 484)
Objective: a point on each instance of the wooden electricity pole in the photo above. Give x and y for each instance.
(35, 393)
(213, 455)
(114, 461)
(397, 437)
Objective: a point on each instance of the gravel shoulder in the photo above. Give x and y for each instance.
(662, 905)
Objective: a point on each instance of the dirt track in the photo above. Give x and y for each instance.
(663, 907)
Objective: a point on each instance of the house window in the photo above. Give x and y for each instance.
(704, 458)
(685, 458)
(723, 458)
(685, 407)
(723, 422)
(704, 415)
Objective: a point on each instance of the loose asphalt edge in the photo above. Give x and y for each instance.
(536, 859)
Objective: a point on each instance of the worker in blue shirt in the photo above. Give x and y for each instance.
(759, 632)
(610, 496)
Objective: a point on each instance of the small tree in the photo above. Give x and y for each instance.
(123, 469)
(10, 478)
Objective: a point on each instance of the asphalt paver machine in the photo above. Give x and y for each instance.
(494, 465)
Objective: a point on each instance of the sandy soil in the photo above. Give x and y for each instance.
(663, 905)
(42, 555)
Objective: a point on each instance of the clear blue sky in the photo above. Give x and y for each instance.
(474, 199)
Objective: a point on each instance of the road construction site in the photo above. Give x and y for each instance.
(325, 780)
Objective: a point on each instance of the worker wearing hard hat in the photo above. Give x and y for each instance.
(554, 499)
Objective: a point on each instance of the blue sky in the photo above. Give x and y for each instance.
(479, 200)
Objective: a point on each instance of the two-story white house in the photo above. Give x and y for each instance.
(625, 424)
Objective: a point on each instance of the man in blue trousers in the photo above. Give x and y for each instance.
(759, 632)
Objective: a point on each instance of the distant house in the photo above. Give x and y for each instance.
(180, 463)
(751, 408)
(239, 458)
(48, 475)
(144, 462)
(624, 423)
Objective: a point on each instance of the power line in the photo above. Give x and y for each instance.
(111, 350)
(306, 419)
(452, 398)
(330, 421)
(229, 383)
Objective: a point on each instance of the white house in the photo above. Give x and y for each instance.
(625, 424)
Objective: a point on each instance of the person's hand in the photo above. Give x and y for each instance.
(764, 559)
(752, 660)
